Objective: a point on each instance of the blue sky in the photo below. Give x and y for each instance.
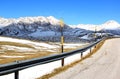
(72, 11)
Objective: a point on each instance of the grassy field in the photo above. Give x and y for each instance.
(16, 51)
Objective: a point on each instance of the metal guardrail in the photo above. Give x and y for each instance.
(15, 67)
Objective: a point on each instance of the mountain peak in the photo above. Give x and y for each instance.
(111, 22)
(53, 20)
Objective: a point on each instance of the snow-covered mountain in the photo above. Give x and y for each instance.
(48, 29)
(111, 24)
(39, 28)
(112, 27)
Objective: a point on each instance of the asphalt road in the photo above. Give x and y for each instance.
(104, 64)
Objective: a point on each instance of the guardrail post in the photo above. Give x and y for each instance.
(81, 54)
(90, 50)
(16, 74)
(95, 46)
(63, 62)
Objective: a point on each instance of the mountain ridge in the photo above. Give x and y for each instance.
(29, 20)
(51, 19)
(48, 29)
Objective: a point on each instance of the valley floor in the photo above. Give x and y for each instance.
(12, 50)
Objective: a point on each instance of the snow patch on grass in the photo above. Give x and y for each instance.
(15, 48)
(6, 56)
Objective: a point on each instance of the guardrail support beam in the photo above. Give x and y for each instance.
(63, 62)
(81, 54)
(16, 74)
(90, 50)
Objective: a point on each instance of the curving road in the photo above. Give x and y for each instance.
(104, 64)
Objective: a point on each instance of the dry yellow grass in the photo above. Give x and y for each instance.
(61, 69)
(4, 60)
(26, 55)
(15, 44)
